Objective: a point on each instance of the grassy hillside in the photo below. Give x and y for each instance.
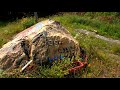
(104, 23)
(104, 57)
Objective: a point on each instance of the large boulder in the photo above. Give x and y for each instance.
(44, 42)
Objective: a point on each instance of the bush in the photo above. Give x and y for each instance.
(27, 22)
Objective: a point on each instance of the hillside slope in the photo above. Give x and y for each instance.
(104, 57)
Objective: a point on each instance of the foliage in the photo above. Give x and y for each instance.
(104, 57)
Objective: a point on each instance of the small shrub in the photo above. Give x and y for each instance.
(27, 22)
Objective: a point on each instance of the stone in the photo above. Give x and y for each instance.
(43, 42)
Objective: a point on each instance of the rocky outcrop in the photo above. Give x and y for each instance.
(44, 42)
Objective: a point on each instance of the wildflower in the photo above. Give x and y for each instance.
(89, 65)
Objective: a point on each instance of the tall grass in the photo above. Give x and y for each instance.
(12, 28)
(102, 26)
(104, 57)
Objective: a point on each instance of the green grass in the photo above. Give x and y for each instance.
(45, 71)
(99, 23)
(12, 28)
(104, 57)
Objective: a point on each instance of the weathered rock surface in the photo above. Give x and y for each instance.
(44, 42)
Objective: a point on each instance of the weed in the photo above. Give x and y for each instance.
(104, 57)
